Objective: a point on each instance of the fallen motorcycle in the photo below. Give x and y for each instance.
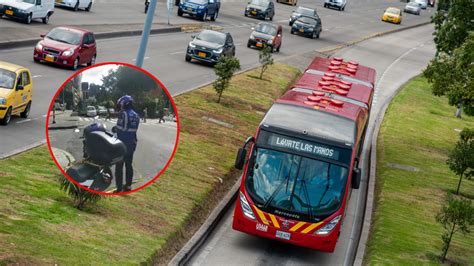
(101, 151)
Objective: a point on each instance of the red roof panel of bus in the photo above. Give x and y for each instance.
(329, 83)
(322, 103)
(348, 68)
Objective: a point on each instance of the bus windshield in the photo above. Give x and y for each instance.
(310, 189)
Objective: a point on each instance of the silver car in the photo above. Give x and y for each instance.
(412, 8)
(422, 3)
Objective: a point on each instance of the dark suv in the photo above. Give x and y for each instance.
(201, 9)
(262, 9)
(209, 45)
(307, 26)
(302, 11)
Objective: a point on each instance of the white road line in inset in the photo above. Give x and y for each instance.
(37, 76)
(175, 53)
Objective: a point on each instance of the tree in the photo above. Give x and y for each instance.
(457, 214)
(79, 196)
(461, 158)
(224, 69)
(265, 58)
(453, 20)
(453, 75)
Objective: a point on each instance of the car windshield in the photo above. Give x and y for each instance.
(413, 4)
(305, 11)
(7, 79)
(90, 108)
(266, 28)
(65, 36)
(200, 2)
(393, 11)
(211, 36)
(307, 20)
(29, 1)
(263, 3)
(297, 184)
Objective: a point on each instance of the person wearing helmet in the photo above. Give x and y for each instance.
(126, 129)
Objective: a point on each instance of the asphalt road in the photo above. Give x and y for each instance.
(165, 55)
(155, 143)
(397, 58)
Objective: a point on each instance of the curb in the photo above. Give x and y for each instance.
(183, 256)
(21, 150)
(190, 248)
(98, 36)
(61, 127)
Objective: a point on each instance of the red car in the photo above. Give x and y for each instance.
(70, 47)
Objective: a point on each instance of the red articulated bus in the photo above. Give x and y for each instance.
(301, 165)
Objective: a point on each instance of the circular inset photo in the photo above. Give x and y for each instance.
(112, 128)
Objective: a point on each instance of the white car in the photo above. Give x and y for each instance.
(75, 4)
(337, 4)
(422, 3)
(27, 10)
(91, 111)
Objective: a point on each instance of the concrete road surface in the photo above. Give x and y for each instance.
(397, 58)
(165, 55)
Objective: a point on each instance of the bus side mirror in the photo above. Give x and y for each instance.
(240, 159)
(356, 175)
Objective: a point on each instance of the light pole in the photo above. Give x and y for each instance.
(146, 33)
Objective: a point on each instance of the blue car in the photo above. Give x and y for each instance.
(208, 46)
(201, 9)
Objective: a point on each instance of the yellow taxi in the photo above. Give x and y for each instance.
(16, 87)
(392, 14)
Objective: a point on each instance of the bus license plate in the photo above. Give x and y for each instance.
(49, 58)
(9, 12)
(283, 235)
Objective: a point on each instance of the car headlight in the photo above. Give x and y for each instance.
(270, 41)
(218, 51)
(192, 45)
(310, 29)
(329, 227)
(252, 37)
(293, 17)
(39, 46)
(201, 7)
(68, 52)
(247, 8)
(3, 101)
(246, 209)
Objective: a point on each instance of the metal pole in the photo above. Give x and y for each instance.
(146, 33)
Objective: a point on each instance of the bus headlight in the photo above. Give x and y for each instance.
(246, 209)
(328, 227)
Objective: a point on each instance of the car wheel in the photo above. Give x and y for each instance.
(26, 112)
(344, 7)
(180, 12)
(248, 44)
(46, 19)
(313, 36)
(36, 60)
(92, 61)
(317, 36)
(271, 18)
(187, 58)
(7, 118)
(76, 7)
(292, 32)
(204, 16)
(213, 18)
(278, 48)
(75, 64)
(88, 8)
(28, 19)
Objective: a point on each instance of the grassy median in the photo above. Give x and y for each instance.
(417, 133)
(38, 224)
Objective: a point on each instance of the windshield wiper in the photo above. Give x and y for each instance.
(326, 190)
(307, 198)
(265, 205)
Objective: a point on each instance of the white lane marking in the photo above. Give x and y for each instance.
(37, 76)
(237, 44)
(175, 53)
(23, 121)
(146, 57)
(45, 115)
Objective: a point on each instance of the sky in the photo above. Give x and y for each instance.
(94, 75)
